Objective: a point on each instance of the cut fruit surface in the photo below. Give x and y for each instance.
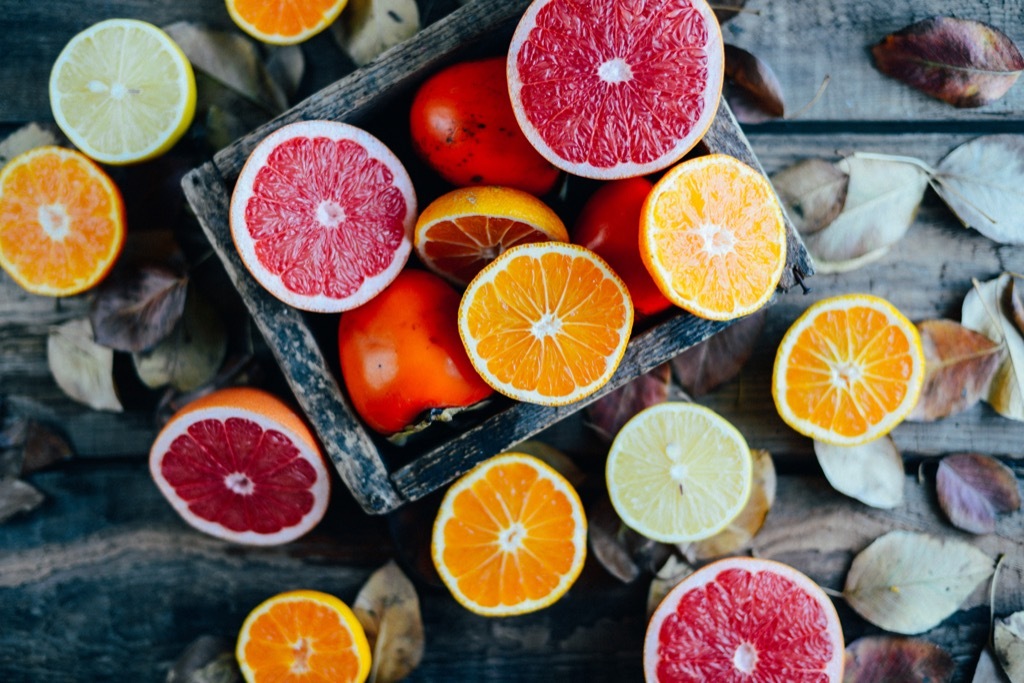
(62, 222)
(122, 91)
(713, 237)
(322, 215)
(284, 22)
(678, 472)
(303, 636)
(241, 465)
(510, 536)
(615, 89)
(744, 620)
(546, 323)
(464, 230)
(848, 370)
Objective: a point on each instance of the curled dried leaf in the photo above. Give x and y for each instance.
(813, 192)
(605, 534)
(207, 659)
(607, 414)
(83, 369)
(752, 88)
(872, 473)
(719, 358)
(885, 658)
(1008, 642)
(960, 61)
(389, 610)
(985, 311)
(17, 497)
(369, 27)
(973, 489)
(137, 308)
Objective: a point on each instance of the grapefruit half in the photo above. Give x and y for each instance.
(615, 89)
(322, 215)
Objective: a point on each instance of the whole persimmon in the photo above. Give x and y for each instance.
(401, 353)
(463, 127)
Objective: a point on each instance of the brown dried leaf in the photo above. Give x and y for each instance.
(959, 365)
(607, 414)
(208, 659)
(1008, 642)
(16, 496)
(83, 369)
(960, 61)
(872, 472)
(389, 610)
(719, 358)
(665, 579)
(751, 87)
(985, 311)
(886, 658)
(813, 192)
(973, 489)
(369, 27)
(605, 533)
(43, 447)
(136, 309)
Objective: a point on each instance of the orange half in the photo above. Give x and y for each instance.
(284, 22)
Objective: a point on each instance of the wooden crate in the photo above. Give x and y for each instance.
(380, 476)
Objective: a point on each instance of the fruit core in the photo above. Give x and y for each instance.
(717, 240)
(745, 658)
(55, 221)
(330, 213)
(548, 326)
(845, 375)
(615, 71)
(511, 539)
(301, 650)
(239, 483)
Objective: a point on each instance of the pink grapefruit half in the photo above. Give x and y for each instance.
(616, 88)
(744, 620)
(241, 465)
(322, 215)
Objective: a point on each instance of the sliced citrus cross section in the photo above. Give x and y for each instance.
(61, 221)
(284, 22)
(546, 323)
(464, 230)
(510, 536)
(848, 370)
(678, 472)
(303, 635)
(322, 215)
(713, 238)
(612, 89)
(744, 619)
(122, 91)
(241, 465)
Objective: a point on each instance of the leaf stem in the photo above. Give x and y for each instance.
(938, 179)
(832, 592)
(814, 100)
(913, 161)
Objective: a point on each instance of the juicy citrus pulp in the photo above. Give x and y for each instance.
(61, 221)
(284, 22)
(322, 215)
(678, 472)
(744, 619)
(464, 230)
(615, 89)
(510, 536)
(546, 323)
(240, 465)
(122, 91)
(713, 238)
(303, 636)
(848, 370)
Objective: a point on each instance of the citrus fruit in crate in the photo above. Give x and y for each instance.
(603, 90)
(744, 619)
(322, 215)
(609, 224)
(848, 370)
(678, 472)
(122, 91)
(546, 323)
(241, 465)
(401, 354)
(510, 536)
(464, 230)
(62, 221)
(713, 237)
(463, 127)
(303, 635)
(284, 22)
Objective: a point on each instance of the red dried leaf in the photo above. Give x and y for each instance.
(136, 309)
(960, 61)
(717, 360)
(609, 413)
(885, 658)
(973, 489)
(752, 88)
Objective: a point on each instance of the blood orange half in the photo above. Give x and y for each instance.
(240, 465)
(322, 215)
(615, 89)
(745, 620)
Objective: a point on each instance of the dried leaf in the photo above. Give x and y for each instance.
(207, 659)
(752, 88)
(885, 658)
(813, 192)
(1016, 306)
(908, 582)
(17, 496)
(665, 579)
(83, 369)
(973, 489)
(42, 447)
(881, 202)
(25, 138)
(607, 414)
(872, 473)
(192, 354)
(12, 446)
(987, 670)
(960, 61)
(389, 610)
(1008, 642)
(719, 358)
(369, 27)
(605, 532)
(984, 311)
(741, 531)
(959, 365)
(558, 460)
(136, 309)
(982, 181)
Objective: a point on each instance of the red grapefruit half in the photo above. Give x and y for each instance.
(618, 88)
(240, 465)
(322, 215)
(744, 620)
